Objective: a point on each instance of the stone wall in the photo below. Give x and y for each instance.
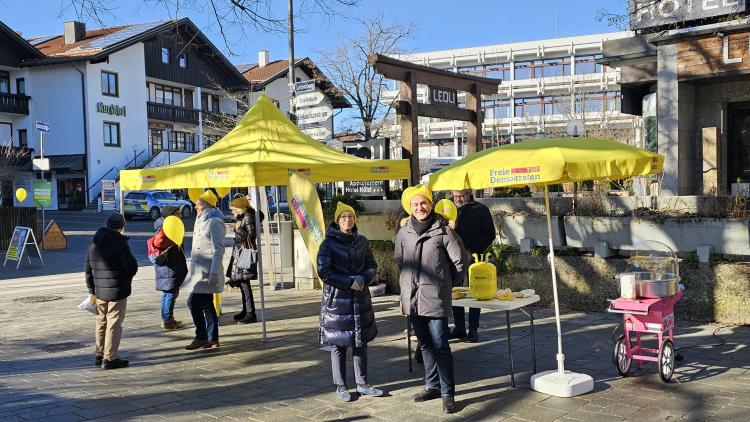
(717, 293)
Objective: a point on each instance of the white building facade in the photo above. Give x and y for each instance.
(120, 97)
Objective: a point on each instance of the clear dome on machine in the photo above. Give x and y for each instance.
(653, 271)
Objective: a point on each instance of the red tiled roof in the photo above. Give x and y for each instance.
(260, 74)
(56, 47)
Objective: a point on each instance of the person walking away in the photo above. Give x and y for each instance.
(476, 229)
(206, 274)
(432, 260)
(110, 267)
(170, 268)
(244, 238)
(347, 266)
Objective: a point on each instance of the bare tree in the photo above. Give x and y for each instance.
(10, 159)
(347, 67)
(235, 20)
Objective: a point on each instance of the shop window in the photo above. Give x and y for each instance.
(23, 140)
(165, 54)
(4, 82)
(111, 134)
(109, 84)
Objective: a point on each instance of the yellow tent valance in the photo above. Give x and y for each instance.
(262, 150)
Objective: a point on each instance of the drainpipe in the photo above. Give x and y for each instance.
(85, 133)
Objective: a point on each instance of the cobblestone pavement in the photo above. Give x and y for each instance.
(288, 377)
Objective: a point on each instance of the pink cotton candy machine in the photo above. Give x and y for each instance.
(649, 290)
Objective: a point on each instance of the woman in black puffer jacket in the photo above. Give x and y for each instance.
(346, 265)
(244, 238)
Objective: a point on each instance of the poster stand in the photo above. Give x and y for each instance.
(18, 245)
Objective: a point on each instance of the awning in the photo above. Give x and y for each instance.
(66, 162)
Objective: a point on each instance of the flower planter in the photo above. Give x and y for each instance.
(726, 235)
(513, 228)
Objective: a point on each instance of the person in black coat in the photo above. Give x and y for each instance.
(346, 266)
(476, 229)
(170, 268)
(110, 268)
(244, 238)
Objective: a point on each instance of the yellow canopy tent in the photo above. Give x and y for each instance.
(262, 150)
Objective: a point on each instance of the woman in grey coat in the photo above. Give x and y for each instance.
(432, 260)
(206, 275)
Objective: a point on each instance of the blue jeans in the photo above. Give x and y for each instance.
(432, 336)
(167, 304)
(204, 316)
(460, 321)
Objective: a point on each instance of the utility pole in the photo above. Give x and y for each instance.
(292, 79)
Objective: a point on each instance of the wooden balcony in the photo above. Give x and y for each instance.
(170, 113)
(12, 103)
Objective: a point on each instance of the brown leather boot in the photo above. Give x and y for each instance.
(197, 344)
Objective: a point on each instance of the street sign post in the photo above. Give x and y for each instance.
(304, 86)
(41, 126)
(319, 133)
(314, 114)
(309, 99)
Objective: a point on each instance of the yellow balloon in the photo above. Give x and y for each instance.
(447, 209)
(21, 194)
(174, 229)
(406, 198)
(222, 191)
(194, 193)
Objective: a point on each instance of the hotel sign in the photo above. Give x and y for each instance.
(654, 13)
(112, 109)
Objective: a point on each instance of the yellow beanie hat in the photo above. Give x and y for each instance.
(341, 207)
(208, 197)
(240, 203)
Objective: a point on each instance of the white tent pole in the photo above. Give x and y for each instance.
(258, 237)
(551, 257)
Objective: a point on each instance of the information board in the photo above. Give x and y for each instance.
(42, 193)
(109, 198)
(18, 243)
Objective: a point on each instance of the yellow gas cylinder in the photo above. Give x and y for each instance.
(482, 279)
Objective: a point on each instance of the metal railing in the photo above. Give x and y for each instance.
(13, 103)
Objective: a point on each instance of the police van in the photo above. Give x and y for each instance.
(150, 203)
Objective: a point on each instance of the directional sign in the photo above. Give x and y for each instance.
(304, 86)
(309, 99)
(314, 114)
(320, 133)
(41, 126)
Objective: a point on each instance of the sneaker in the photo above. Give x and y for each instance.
(171, 325)
(457, 334)
(449, 404)
(115, 364)
(248, 319)
(426, 394)
(197, 344)
(98, 361)
(369, 390)
(240, 315)
(343, 394)
(473, 337)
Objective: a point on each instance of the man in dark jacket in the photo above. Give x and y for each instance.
(475, 227)
(110, 267)
(432, 260)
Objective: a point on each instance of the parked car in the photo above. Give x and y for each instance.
(149, 204)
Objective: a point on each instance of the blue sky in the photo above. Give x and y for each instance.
(441, 24)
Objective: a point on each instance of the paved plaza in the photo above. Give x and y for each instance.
(47, 372)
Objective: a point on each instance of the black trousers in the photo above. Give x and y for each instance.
(248, 304)
(338, 364)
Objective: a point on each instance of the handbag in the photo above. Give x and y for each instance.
(247, 257)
